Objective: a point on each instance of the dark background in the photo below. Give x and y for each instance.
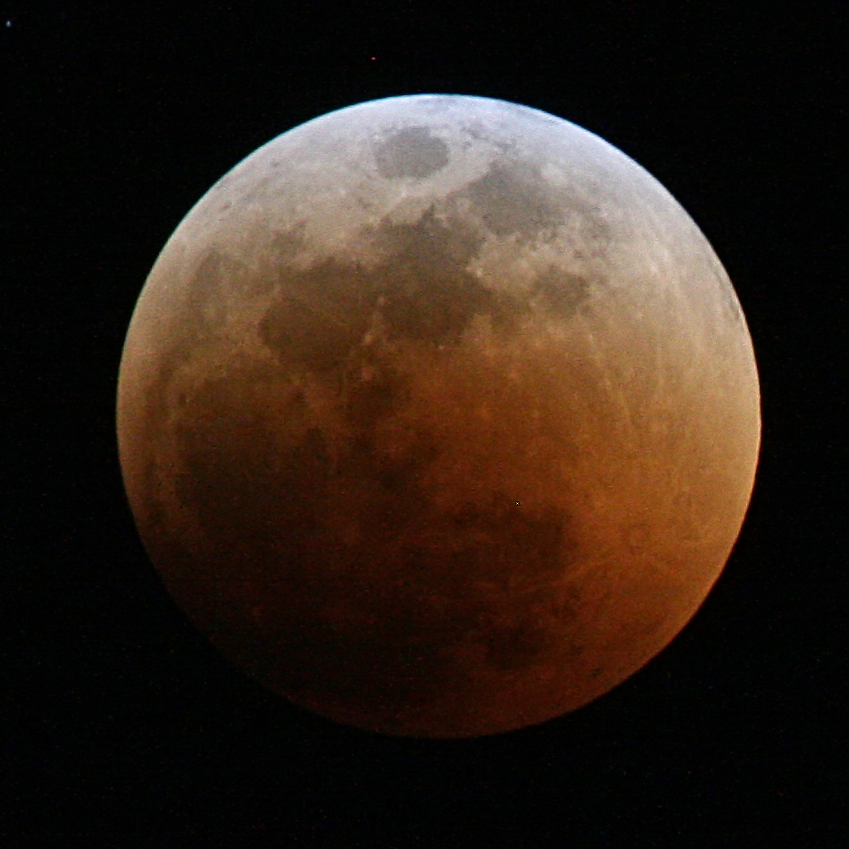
(121, 727)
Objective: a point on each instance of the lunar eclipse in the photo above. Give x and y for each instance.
(439, 416)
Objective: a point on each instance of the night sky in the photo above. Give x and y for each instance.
(121, 726)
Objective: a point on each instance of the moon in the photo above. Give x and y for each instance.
(439, 416)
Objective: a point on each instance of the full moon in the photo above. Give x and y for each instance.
(439, 416)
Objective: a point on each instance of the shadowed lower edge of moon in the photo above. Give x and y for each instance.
(390, 611)
(409, 629)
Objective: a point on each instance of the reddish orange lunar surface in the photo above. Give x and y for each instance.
(439, 416)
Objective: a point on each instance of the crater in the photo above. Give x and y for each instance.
(318, 316)
(559, 293)
(429, 293)
(513, 198)
(422, 291)
(285, 244)
(411, 152)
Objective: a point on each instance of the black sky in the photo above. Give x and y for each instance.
(121, 726)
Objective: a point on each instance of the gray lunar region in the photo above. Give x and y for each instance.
(439, 416)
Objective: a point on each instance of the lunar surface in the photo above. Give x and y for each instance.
(439, 416)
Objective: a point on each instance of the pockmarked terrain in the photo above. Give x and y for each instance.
(439, 415)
